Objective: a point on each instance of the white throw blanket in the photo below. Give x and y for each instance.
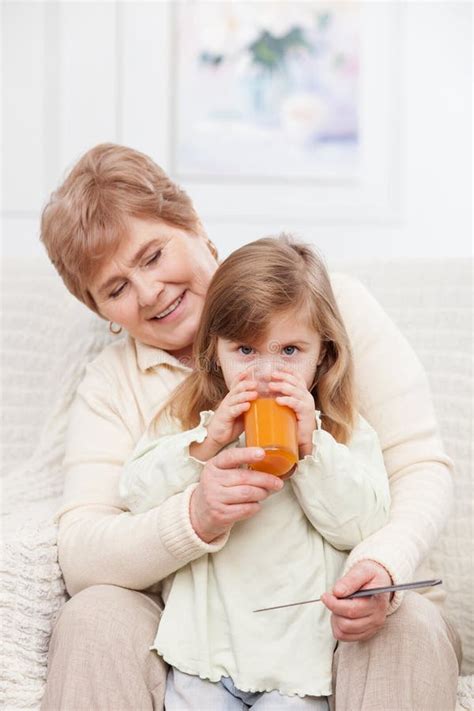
(51, 338)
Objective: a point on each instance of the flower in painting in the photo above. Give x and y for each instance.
(278, 19)
(226, 29)
(303, 116)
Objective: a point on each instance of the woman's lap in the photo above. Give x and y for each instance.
(100, 658)
(99, 655)
(411, 663)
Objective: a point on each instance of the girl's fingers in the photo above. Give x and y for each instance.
(238, 409)
(290, 375)
(287, 389)
(286, 375)
(245, 385)
(240, 379)
(244, 396)
(291, 402)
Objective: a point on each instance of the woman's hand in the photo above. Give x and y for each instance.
(296, 395)
(360, 618)
(226, 494)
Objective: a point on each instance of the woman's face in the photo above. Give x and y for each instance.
(155, 285)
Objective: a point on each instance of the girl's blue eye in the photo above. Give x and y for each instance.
(289, 350)
(153, 258)
(245, 350)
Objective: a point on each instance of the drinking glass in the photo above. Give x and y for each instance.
(271, 426)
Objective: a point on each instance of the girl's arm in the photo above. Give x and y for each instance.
(344, 490)
(161, 467)
(164, 466)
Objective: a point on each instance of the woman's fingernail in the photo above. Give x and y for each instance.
(259, 454)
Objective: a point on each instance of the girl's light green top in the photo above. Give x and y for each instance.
(295, 548)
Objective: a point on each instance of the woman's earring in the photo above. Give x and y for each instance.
(113, 330)
(212, 248)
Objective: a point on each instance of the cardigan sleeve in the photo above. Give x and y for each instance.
(343, 489)
(99, 541)
(394, 397)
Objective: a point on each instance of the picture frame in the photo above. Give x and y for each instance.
(371, 195)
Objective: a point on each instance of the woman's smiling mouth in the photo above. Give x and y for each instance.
(169, 309)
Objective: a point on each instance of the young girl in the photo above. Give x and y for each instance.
(269, 298)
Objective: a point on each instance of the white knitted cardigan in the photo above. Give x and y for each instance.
(47, 340)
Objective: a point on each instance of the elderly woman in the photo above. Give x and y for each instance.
(128, 243)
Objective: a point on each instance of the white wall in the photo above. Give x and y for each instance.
(79, 73)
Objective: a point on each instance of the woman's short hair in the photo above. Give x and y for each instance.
(85, 219)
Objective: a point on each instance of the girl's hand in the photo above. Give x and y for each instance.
(226, 493)
(360, 618)
(296, 395)
(227, 422)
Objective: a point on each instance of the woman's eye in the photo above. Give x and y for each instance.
(153, 258)
(245, 350)
(289, 350)
(117, 292)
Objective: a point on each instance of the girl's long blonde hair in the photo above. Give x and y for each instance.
(266, 277)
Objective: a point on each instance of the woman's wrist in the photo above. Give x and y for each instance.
(205, 532)
(383, 570)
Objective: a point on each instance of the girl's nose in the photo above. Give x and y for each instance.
(148, 291)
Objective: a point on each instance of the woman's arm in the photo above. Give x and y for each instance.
(99, 541)
(394, 397)
(343, 490)
(102, 543)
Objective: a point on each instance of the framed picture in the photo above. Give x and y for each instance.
(279, 113)
(267, 91)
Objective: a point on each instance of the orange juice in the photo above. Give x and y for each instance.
(272, 427)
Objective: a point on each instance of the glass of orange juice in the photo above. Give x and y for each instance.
(271, 426)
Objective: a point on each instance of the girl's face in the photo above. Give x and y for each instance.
(155, 285)
(289, 339)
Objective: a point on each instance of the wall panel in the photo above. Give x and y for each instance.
(23, 164)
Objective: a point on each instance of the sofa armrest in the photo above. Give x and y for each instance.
(32, 593)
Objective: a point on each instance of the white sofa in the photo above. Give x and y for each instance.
(47, 339)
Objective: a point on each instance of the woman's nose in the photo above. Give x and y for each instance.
(148, 291)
